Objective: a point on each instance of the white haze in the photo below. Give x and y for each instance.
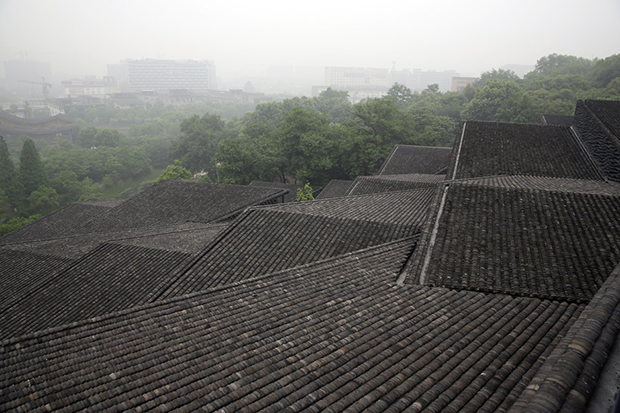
(244, 38)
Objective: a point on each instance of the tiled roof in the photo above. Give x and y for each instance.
(598, 124)
(326, 337)
(387, 183)
(173, 202)
(489, 149)
(410, 159)
(292, 189)
(109, 278)
(566, 381)
(580, 186)
(21, 269)
(556, 120)
(557, 245)
(404, 207)
(65, 222)
(336, 188)
(266, 240)
(188, 237)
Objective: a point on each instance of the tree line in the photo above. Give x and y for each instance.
(298, 139)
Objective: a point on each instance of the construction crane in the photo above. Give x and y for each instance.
(45, 85)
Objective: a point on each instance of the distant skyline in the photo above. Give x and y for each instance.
(245, 38)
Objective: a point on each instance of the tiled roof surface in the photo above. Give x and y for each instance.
(544, 183)
(489, 149)
(266, 240)
(292, 188)
(566, 381)
(336, 188)
(556, 120)
(173, 202)
(410, 159)
(557, 245)
(189, 237)
(331, 336)
(21, 269)
(66, 221)
(387, 183)
(598, 125)
(110, 278)
(404, 207)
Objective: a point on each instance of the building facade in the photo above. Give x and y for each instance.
(164, 75)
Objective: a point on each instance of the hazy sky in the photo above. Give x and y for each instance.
(244, 37)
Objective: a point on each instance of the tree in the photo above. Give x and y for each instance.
(501, 101)
(198, 142)
(434, 88)
(606, 70)
(9, 182)
(305, 194)
(44, 199)
(401, 94)
(31, 170)
(16, 223)
(174, 171)
(498, 74)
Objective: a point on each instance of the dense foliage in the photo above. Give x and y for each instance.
(299, 139)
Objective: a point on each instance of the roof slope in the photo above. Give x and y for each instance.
(173, 202)
(559, 245)
(566, 381)
(110, 278)
(292, 188)
(21, 269)
(404, 207)
(64, 222)
(580, 186)
(598, 125)
(387, 183)
(489, 149)
(189, 237)
(549, 119)
(336, 188)
(411, 159)
(263, 241)
(321, 337)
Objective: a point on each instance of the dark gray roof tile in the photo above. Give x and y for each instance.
(336, 188)
(389, 183)
(291, 341)
(107, 279)
(412, 159)
(490, 149)
(559, 245)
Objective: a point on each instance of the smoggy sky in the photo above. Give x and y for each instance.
(243, 37)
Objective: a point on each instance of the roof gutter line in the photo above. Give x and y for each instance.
(431, 244)
(458, 153)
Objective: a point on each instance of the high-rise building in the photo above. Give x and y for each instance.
(164, 75)
(356, 76)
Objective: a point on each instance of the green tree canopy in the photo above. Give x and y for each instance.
(31, 170)
(9, 182)
(174, 171)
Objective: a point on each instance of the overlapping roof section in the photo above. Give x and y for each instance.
(333, 335)
(273, 238)
(568, 377)
(21, 269)
(173, 202)
(109, 278)
(411, 159)
(490, 148)
(388, 183)
(520, 241)
(65, 222)
(336, 188)
(598, 124)
(188, 237)
(291, 196)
